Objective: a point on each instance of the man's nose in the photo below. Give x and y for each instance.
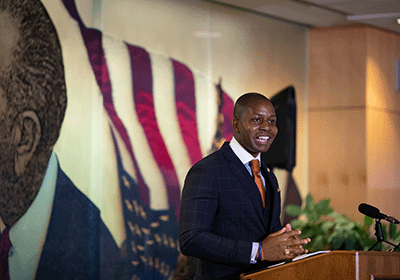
(265, 126)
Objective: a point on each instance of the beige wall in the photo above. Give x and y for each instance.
(354, 118)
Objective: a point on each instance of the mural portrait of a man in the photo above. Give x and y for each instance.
(49, 228)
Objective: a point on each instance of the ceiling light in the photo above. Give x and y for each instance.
(207, 34)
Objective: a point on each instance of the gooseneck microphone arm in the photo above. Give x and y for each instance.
(374, 213)
(379, 236)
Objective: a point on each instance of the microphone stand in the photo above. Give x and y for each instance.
(379, 236)
(392, 250)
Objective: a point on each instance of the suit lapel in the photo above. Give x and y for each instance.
(245, 180)
(272, 180)
(274, 191)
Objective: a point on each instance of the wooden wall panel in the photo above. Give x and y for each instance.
(354, 118)
(383, 121)
(337, 159)
(383, 51)
(383, 160)
(337, 67)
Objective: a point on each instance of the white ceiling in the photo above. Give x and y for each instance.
(323, 13)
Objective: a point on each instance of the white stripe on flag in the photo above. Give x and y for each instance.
(206, 110)
(111, 206)
(119, 83)
(165, 110)
(119, 66)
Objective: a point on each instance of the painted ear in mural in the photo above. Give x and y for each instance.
(26, 137)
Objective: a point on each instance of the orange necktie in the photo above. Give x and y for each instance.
(255, 168)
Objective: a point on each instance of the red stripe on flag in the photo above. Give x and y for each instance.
(94, 46)
(227, 111)
(144, 106)
(186, 109)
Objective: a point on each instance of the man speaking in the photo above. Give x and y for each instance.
(230, 207)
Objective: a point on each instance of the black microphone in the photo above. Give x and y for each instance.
(374, 213)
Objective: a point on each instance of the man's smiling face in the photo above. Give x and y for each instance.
(255, 127)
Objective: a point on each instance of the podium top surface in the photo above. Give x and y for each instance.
(336, 265)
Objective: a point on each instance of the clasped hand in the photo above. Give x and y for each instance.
(284, 244)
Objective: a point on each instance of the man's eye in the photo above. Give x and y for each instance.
(273, 121)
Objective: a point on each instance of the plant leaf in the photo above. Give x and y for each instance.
(368, 221)
(318, 243)
(322, 207)
(327, 226)
(297, 224)
(350, 243)
(309, 204)
(337, 242)
(392, 231)
(293, 210)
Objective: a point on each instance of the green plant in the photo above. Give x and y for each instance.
(329, 230)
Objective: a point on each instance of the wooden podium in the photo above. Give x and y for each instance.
(346, 265)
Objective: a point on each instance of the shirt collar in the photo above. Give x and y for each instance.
(241, 152)
(29, 232)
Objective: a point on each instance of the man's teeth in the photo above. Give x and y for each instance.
(263, 138)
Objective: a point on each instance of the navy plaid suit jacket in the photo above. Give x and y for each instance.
(221, 214)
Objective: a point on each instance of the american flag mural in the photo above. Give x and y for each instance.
(136, 87)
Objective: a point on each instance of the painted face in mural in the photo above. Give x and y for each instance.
(6, 149)
(11, 187)
(31, 105)
(8, 39)
(8, 35)
(255, 124)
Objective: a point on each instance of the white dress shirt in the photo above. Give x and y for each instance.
(29, 233)
(245, 157)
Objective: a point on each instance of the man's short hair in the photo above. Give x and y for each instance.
(244, 101)
(35, 78)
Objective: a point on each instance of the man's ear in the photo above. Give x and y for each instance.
(27, 134)
(235, 124)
